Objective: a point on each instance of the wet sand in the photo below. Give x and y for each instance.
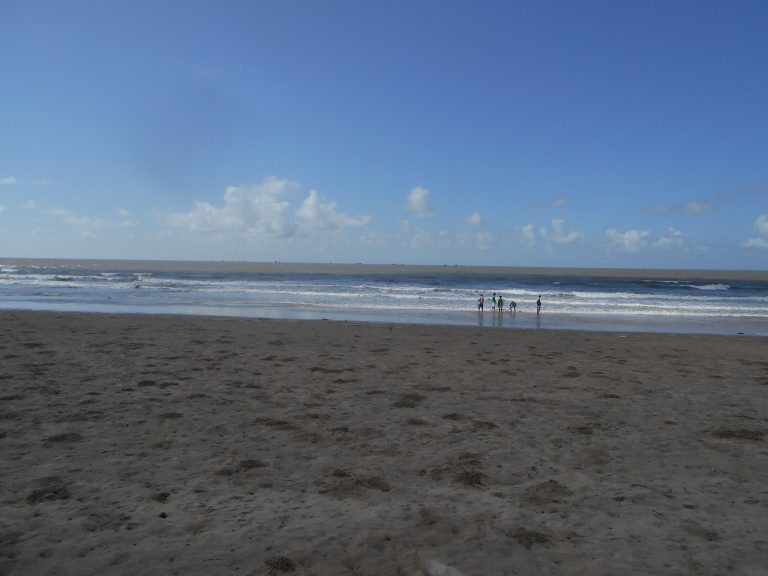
(201, 445)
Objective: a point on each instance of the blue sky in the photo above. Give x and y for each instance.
(590, 133)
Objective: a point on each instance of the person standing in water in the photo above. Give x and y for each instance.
(538, 304)
(493, 301)
(480, 302)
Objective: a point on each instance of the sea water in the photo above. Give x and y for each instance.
(631, 300)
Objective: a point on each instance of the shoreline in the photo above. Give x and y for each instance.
(137, 444)
(521, 320)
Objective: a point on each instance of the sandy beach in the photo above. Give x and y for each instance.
(189, 445)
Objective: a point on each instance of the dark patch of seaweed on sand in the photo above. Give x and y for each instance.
(276, 423)
(346, 483)
(527, 538)
(409, 400)
(738, 434)
(280, 565)
(464, 470)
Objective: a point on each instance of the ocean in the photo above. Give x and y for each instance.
(725, 302)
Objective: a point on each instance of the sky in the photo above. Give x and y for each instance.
(510, 133)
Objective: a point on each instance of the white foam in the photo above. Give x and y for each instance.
(709, 286)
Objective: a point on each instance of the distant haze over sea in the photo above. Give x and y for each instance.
(225, 266)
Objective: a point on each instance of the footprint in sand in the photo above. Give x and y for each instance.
(51, 488)
(409, 400)
(66, 438)
(547, 492)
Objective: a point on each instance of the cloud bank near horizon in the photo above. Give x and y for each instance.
(277, 213)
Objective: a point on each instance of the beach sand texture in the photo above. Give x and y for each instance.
(185, 445)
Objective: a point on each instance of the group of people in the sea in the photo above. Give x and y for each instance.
(497, 303)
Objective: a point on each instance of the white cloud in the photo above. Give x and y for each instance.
(761, 225)
(643, 240)
(29, 205)
(696, 207)
(13, 181)
(629, 241)
(2, 208)
(84, 226)
(483, 240)
(477, 242)
(414, 237)
(374, 238)
(318, 215)
(757, 243)
(475, 219)
(255, 210)
(690, 207)
(673, 240)
(444, 240)
(263, 211)
(548, 237)
(418, 202)
(560, 234)
(127, 217)
(528, 235)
